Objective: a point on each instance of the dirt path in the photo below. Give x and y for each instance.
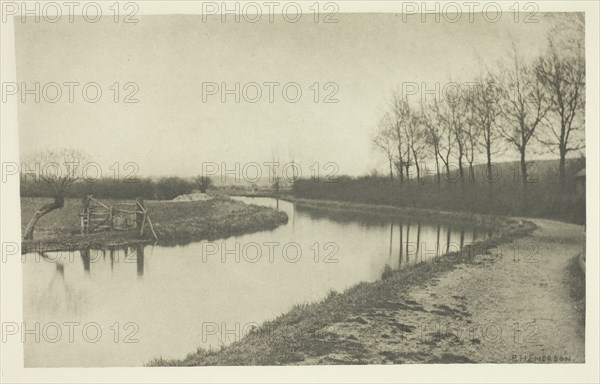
(507, 306)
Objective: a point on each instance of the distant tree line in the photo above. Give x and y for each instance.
(165, 188)
(543, 197)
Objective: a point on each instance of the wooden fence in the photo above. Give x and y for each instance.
(124, 216)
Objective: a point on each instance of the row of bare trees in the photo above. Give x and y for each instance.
(518, 104)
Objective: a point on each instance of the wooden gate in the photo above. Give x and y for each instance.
(124, 216)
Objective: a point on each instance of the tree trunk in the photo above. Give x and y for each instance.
(400, 164)
(391, 169)
(59, 202)
(417, 168)
(488, 152)
(524, 205)
(489, 163)
(407, 164)
(523, 166)
(460, 169)
(561, 169)
(471, 172)
(437, 170)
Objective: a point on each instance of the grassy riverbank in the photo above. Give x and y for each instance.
(494, 222)
(329, 331)
(174, 222)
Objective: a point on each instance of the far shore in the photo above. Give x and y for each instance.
(175, 223)
(486, 221)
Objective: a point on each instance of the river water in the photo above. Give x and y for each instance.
(100, 308)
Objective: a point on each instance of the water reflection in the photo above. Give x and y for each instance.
(140, 260)
(85, 258)
(170, 291)
(89, 256)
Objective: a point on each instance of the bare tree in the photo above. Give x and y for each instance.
(447, 137)
(58, 169)
(471, 132)
(275, 176)
(485, 104)
(402, 116)
(295, 166)
(405, 165)
(562, 74)
(456, 118)
(203, 183)
(385, 141)
(414, 132)
(434, 135)
(524, 106)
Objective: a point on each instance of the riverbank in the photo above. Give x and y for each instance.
(492, 222)
(348, 209)
(541, 197)
(495, 301)
(174, 222)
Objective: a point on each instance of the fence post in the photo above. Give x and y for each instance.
(88, 218)
(111, 217)
(139, 214)
(84, 211)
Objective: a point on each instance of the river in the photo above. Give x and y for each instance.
(101, 308)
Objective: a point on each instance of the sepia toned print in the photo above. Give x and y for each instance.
(282, 183)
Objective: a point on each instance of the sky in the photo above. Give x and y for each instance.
(171, 130)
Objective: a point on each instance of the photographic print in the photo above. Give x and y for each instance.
(385, 184)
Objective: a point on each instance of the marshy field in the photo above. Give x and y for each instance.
(175, 222)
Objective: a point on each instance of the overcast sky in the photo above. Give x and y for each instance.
(172, 131)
